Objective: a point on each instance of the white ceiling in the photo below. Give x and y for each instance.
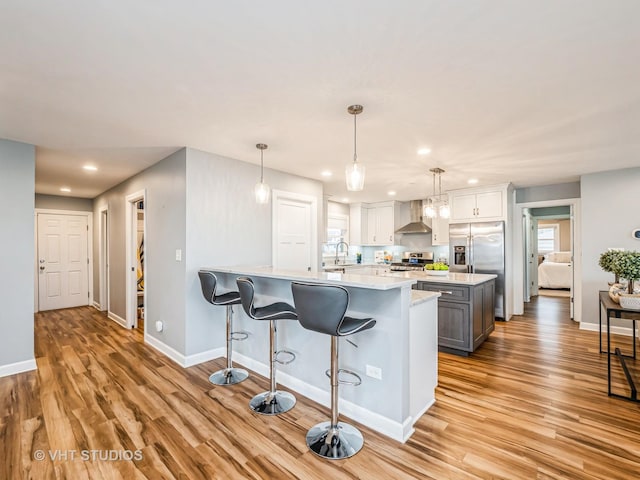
(532, 92)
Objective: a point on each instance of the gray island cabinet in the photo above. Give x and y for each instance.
(465, 310)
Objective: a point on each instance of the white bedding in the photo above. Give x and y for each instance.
(554, 275)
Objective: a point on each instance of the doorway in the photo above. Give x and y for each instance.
(547, 253)
(295, 231)
(63, 259)
(135, 235)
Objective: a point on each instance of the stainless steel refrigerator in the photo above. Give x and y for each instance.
(479, 248)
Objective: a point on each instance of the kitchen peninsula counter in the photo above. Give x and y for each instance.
(451, 277)
(403, 345)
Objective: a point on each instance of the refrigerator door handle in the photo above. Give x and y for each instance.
(470, 256)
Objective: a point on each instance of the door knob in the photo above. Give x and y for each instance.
(42, 261)
(42, 267)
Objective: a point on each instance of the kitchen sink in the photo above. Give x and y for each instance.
(334, 269)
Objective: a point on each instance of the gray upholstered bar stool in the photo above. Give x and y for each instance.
(209, 282)
(271, 402)
(322, 308)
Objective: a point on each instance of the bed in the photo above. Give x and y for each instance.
(555, 271)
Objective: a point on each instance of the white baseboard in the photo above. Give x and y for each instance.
(191, 360)
(179, 358)
(97, 306)
(165, 349)
(119, 320)
(593, 327)
(18, 367)
(395, 430)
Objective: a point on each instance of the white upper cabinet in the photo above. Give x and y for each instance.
(373, 223)
(440, 231)
(479, 204)
(384, 225)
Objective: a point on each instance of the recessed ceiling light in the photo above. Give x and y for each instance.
(90, 168)
(424, 151)
(391, 193)
(65, 189)
(345, 199)
(472, 181)
(326, 173)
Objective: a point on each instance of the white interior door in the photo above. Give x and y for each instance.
(573, 263)
(533, 272)
(528, 254)
(295, 232)
(134, 267)
(63, 279)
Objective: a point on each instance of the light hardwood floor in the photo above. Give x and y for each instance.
(530, 403)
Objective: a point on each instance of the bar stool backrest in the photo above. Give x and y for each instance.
(320, 308)
(208, 282)
(247, 294)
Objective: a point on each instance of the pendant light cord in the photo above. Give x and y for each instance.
(434, 187)
(355, 137)
(261, 166)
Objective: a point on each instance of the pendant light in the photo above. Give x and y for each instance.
(443, 210)
(355, 171)
(262, 190)
(429, 209)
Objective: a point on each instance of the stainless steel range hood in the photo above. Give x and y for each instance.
(416, 225)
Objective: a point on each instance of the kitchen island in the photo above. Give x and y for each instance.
(466, 315)
(397, 359)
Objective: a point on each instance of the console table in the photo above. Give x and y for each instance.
(613, 309)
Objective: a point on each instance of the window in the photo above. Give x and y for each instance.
(337, 231)
(548, 238)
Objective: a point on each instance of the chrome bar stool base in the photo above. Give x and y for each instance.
(272, 403)
(334, 443)
(228, 376)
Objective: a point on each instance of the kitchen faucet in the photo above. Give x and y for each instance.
(337, 248)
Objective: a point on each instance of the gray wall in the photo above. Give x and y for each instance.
(57, 202)
(165, 215)
(202, 204)
(226, 227)
(548, 192)
(17, 192)
(610, 210)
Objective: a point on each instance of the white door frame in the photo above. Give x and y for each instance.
(528, 254)
(278, 195)
(89, 216)
(518, 246)
(103, 257)
(131, 230)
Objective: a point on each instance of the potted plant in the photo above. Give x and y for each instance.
(627, 265)
(607, 262)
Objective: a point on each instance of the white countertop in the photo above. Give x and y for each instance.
(451, 277)
(374, 282)
(421, 296)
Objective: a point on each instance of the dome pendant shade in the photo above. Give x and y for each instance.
(429, 211)
(262, 192)
(355, 177)
(444, 211)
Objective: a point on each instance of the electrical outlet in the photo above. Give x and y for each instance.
(159, 326)
(178, 255)
(374, 372)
